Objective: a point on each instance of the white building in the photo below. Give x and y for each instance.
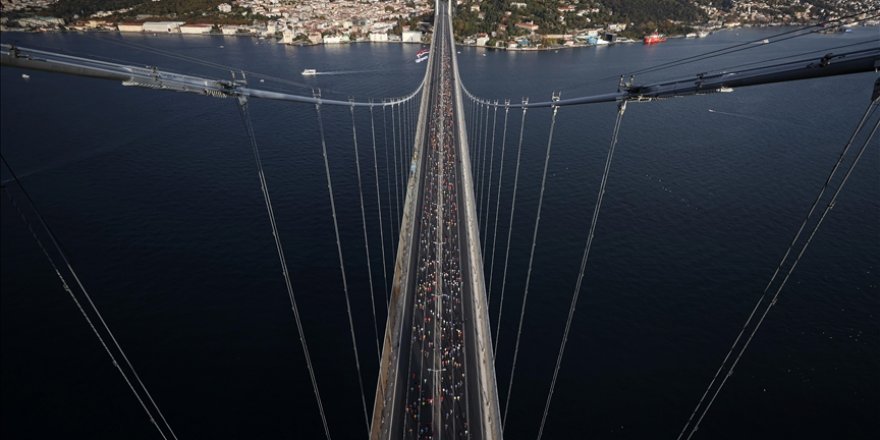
(411, 37)
(130, 27)
(162, 26)
(378, 37)
(287, 36)
(195, 29)
(232, 29)
(336, 39)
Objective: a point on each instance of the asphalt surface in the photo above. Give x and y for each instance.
(436, 396)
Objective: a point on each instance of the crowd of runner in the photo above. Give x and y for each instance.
(436, 380)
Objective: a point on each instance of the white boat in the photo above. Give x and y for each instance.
(309, 72)
(702, 34)
(419, 60)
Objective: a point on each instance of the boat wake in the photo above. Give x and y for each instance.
(738, 115)
(759, 118)
(345, 72)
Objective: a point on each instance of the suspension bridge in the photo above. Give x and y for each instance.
(437, 351)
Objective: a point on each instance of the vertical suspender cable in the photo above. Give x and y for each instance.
(379, 206)
(498, 198)
(473, 129)
(402, 149)
(59, 250)
(409, 126)
(531, 260)
(475, 163)
(621, 108)
(388, 185)
(245, 115)
(408, 135)
(403, 146)
(489, 181)
(522, 127)
(484, 111)
(791, 269)
(482, 174)
(357, 361)
(396, 166)
(476, 148)
(357, 162)
(414, 121)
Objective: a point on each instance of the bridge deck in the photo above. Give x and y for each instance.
(433, 372)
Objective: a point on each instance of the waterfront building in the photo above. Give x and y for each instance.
(379, 37)
(195, 28)
(411, 36)
(162, 26)
(130, 27)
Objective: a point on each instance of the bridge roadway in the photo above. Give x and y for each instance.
(434, 374)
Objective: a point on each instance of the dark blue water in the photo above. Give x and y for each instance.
(156, 198)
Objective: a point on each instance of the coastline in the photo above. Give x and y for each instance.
(457, 44)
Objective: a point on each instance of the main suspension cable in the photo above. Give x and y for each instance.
(66, 262)
(354, 347)
(766, 308)
(621, 108)
(782, 36)
(498, 199)
(531, 260)
(357, 161)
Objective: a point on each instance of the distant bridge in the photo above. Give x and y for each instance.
(437, 376)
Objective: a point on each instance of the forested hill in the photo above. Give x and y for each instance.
(556, 16)
(185, 10)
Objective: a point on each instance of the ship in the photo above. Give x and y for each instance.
(422, 54)
(654, 38)
(309, 72)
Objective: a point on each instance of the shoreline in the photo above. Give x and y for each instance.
(457, 44)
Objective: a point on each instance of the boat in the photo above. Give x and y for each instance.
(691, 35)
(419, 60)
(423, 52)
(702, 34)
(25, 76)
(596, 41)
(654, 38)
(309, 72)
